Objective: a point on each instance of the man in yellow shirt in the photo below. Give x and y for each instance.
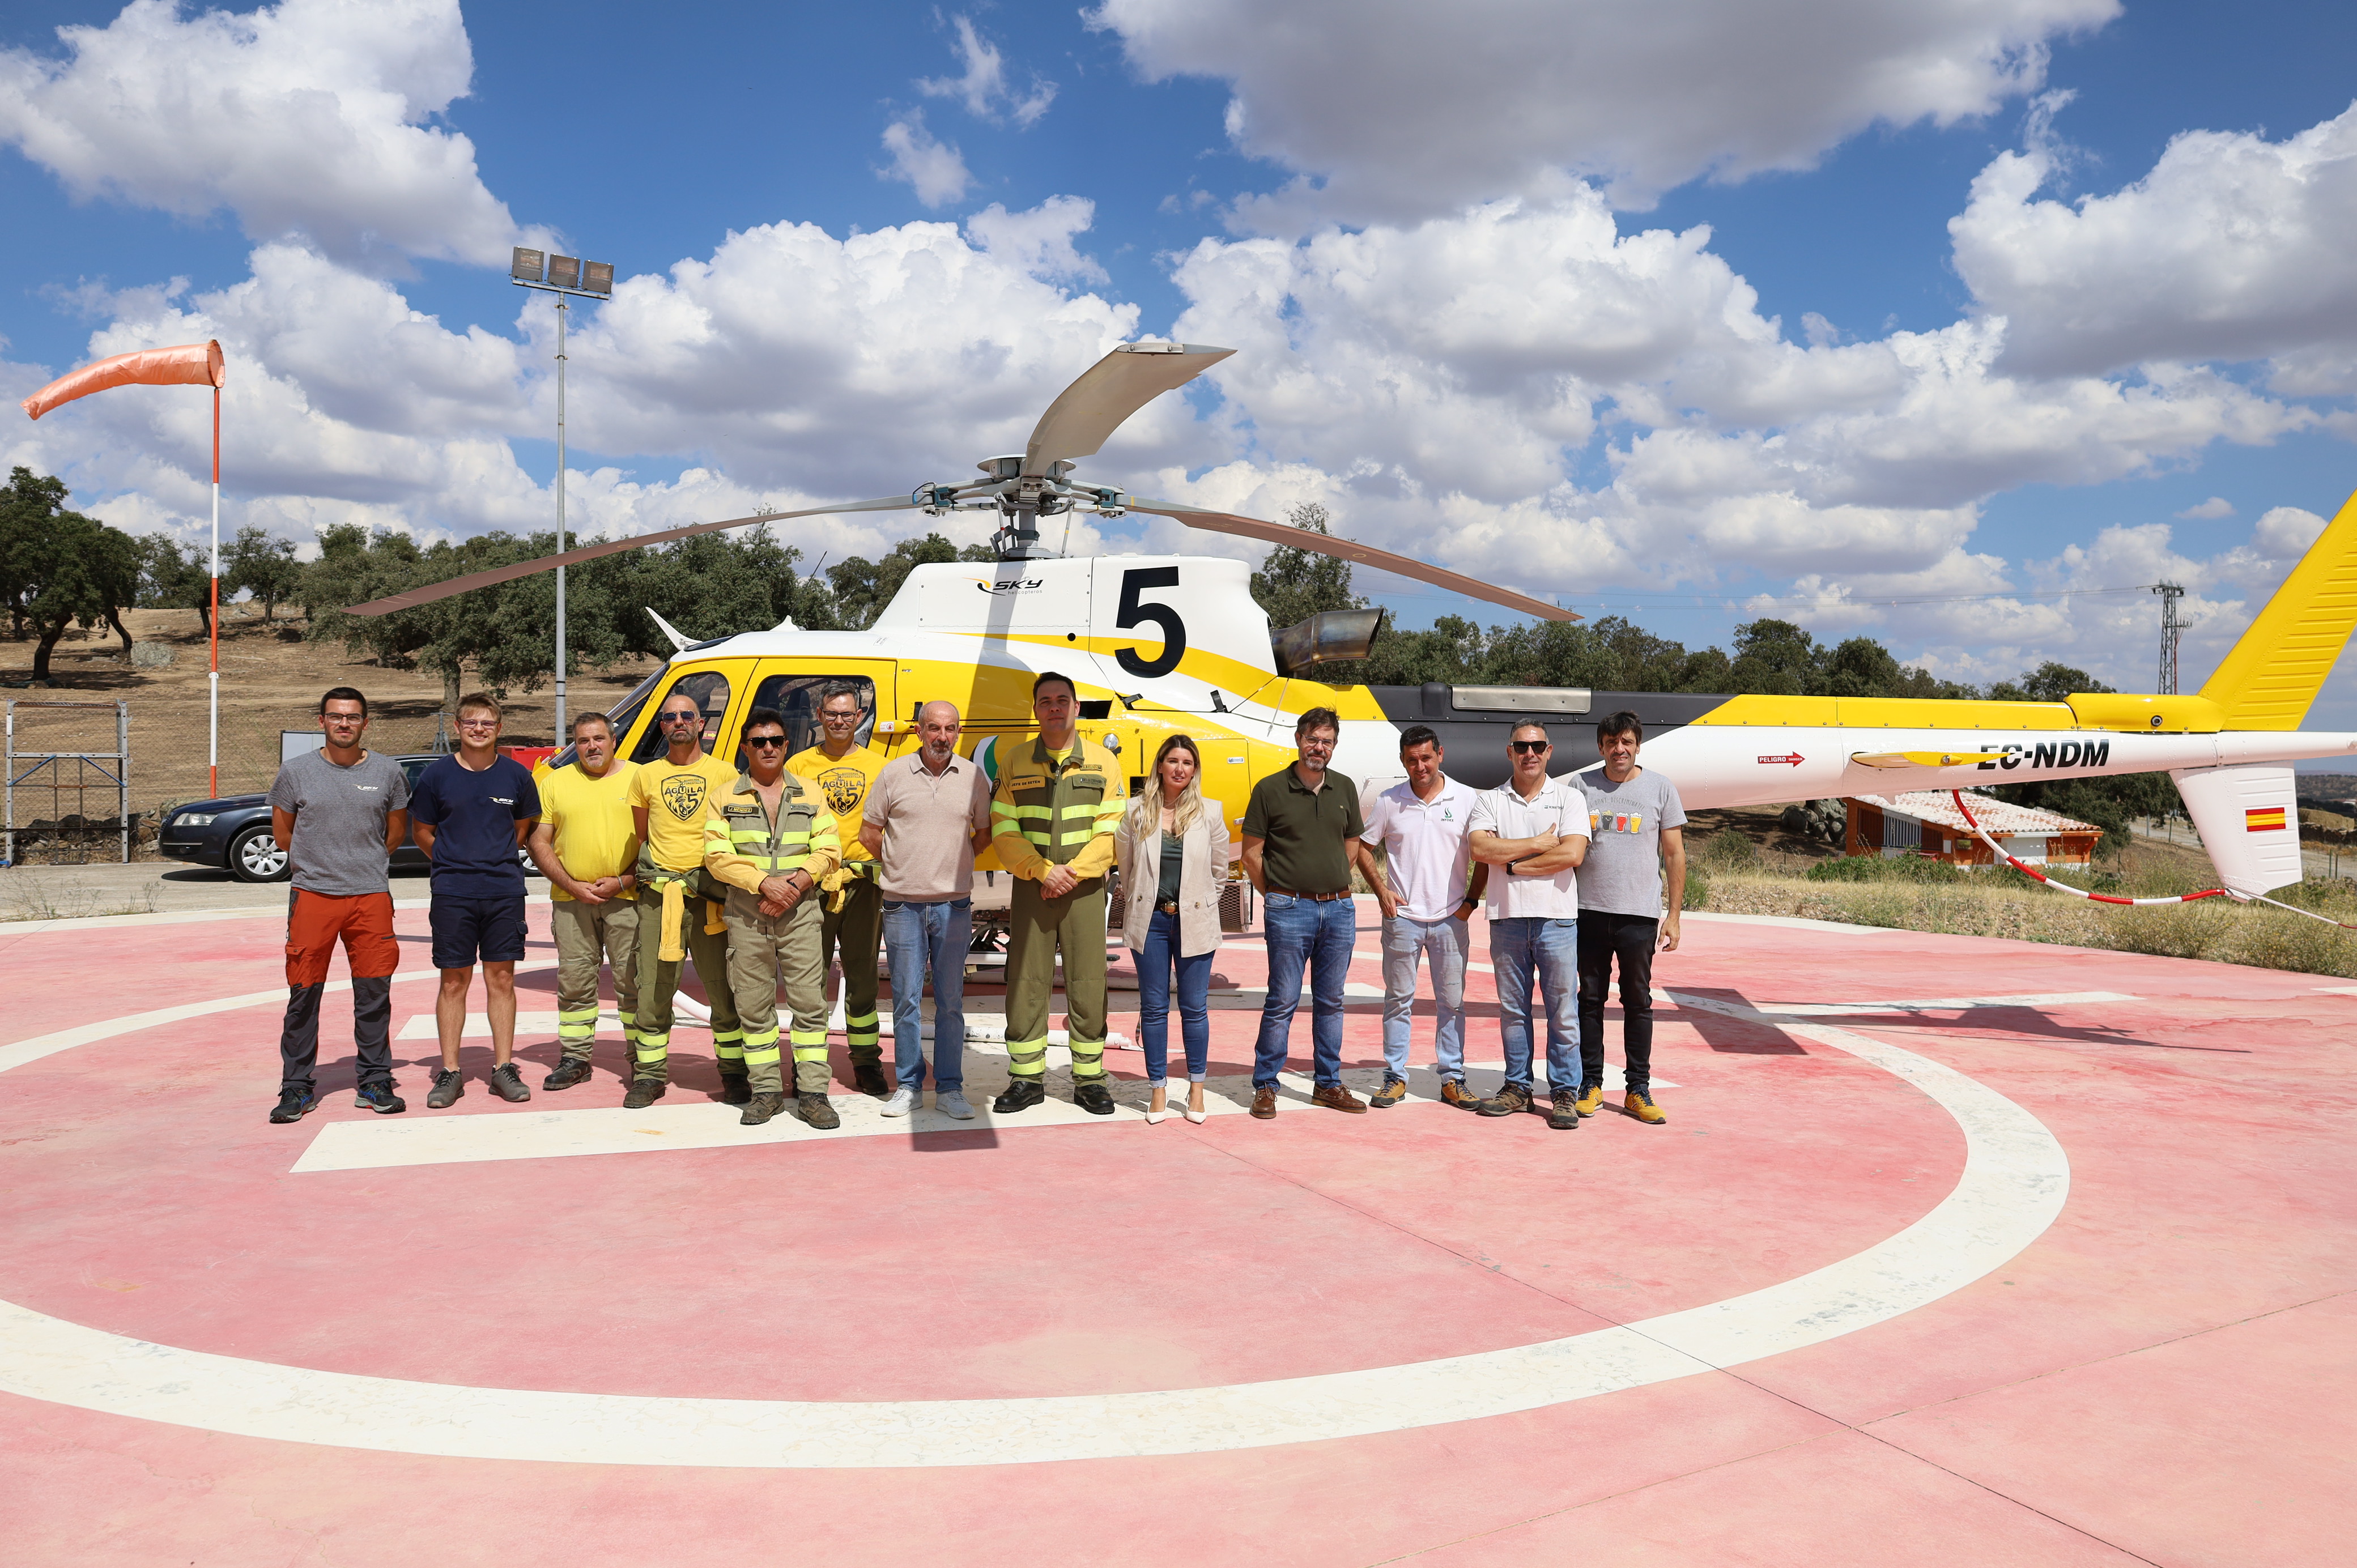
(1052, 824)
(586, 846)
(772, 841)
(669, 800)
(841, 769)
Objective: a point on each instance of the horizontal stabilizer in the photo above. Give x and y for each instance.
(2249, 821)
(1924, 758)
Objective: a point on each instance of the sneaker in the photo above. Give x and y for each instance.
(816, 1110)
(761, 1108)
(447, 1087)
(1563, 1113)
(735, 1089)
(904, 1099)
(954, 1103)
(1334, 1097)
(1022, 1094)
(568, 1073)
(1393, 1090)
(1264, 1105)
(868, 1078)
(508, 1084)
(1640, 1104)
(1093, 1097)
(1454, 1093)
(379, 1098)
(1591, 1099)
(644, 1092)
(293, 1105)
(1511, 1098)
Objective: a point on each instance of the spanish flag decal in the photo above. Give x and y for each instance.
(2264, 818)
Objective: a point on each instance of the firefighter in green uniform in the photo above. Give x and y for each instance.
(772, 842)
(840, 770)
(1052, 824)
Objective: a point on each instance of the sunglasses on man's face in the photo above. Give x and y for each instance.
(765, 741)
(1526, 747)
(681, 718)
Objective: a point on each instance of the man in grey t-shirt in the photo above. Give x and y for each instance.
(1635, 834)
(339, 812)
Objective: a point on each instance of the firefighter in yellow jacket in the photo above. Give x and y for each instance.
(1052, 824)
(772, 842)
(840, 770)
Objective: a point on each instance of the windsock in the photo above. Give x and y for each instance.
(190, 364)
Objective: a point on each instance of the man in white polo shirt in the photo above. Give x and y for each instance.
(1422, 825)
(1534, 831)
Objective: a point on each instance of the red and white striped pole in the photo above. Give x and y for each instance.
(212, 619)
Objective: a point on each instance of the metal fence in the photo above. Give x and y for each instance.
(64, 774)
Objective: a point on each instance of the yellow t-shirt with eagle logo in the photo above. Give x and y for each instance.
(675, 797)
(843, 783)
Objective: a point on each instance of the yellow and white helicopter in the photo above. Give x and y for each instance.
(1157, 644)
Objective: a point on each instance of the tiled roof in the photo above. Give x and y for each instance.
(1997, 816)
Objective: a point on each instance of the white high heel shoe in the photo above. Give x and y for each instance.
(1153, 1116)
(1191, 1113)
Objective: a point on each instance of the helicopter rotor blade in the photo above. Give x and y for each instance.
(411, 598)
(1359, 555)
(1087, 412)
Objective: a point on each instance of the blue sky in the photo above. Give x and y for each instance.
(1882, 318)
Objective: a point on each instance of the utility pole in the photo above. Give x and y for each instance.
(561, 276)
(2170, 627)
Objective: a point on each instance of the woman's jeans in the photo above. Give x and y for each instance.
(1446, 943)
(917, 938)
(1155, 962)
(1526, 950)
(1314, 934)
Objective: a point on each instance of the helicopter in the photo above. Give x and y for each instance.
(1157, 645)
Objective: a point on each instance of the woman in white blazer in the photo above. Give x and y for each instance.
(1172, 847)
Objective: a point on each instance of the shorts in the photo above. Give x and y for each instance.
(471, 929)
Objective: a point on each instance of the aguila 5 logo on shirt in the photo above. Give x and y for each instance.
(844, 788)
(683, 796)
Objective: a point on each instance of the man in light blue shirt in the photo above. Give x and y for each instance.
(1422, 826)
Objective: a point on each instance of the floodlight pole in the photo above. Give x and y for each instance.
(563, 276)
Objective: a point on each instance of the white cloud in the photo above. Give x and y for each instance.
(1040, 241)
(2210, 510)
(1400, 108)
(983, 86)
(304, 118)
(2285, 532)
(934, 169)
(2232, 247)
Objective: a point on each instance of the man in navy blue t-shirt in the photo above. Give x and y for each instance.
(470, 813)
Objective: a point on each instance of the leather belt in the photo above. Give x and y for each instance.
(1167, 906)
(1313, 897)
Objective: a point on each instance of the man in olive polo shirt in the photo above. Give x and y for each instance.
(1301, 839)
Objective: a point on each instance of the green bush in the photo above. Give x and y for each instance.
(1697, 895)
(1726, 849)
(1877, 868)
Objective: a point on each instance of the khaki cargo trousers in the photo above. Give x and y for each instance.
(763, 952)
(1076, 923)
(857, 931)
(587, 936)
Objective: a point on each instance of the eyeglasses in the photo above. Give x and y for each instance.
(680, 719)
(765, 741)
(839, 718)
(478, 723)
(1526, 747)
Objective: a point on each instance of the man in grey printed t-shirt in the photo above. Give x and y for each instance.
(1635, 827)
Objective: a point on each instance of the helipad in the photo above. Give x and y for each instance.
(1951, 1251)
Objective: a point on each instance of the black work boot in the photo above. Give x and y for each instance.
(817, 1111)
(567, 1073)
(735, 1089)
(508, 1084)
(761, 1108)
(447, 1087)
(868, 1078)
(644, 1092)
(1091, 1096)
(1022, 1094)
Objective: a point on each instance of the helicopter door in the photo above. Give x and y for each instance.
(795, 687)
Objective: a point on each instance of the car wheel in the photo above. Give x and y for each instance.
(254, 856)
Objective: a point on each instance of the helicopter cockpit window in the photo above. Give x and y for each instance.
(798, 697)
(709, 688)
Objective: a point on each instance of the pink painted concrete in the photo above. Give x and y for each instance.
(2068, 1409)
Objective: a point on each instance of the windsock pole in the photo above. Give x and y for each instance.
(212, 724)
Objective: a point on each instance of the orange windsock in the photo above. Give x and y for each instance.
(190, 364)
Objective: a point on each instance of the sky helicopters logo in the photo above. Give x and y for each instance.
(1009, 585)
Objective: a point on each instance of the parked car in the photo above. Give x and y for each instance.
(233, 833)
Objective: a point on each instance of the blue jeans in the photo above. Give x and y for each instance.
(1524, 950)
(1155, 963)
(1446, 943)
(918, 938)
(1314, 935)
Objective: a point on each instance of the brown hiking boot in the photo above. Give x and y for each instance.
(1393, 1090)
(644, 1092)
(735, 1089)
(816, 1110)
(1334, 1097)
(1563, 1112)
(761, 1108)
(1640, 1104)
(1454, 1093)
(1511, 1098)
(1264, 1102)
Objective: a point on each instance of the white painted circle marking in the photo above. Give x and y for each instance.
(2015, 1180)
